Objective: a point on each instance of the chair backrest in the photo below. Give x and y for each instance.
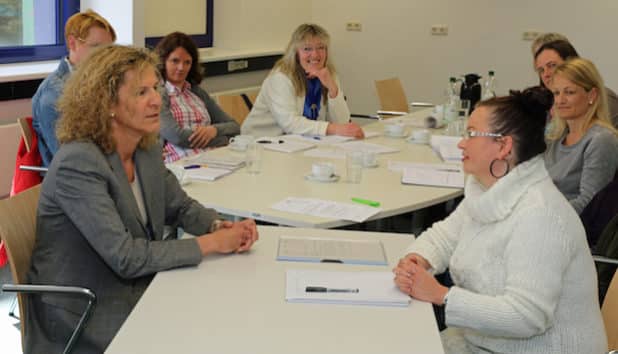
(26, 132)
(610, 313)
(9, 144)
(236, 106)
(391, 95)
(18, 231)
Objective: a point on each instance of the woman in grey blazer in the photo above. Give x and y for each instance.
(105, 200)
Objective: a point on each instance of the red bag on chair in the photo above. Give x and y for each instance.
(23, 180)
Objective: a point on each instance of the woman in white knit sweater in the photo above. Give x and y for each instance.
(524, 278)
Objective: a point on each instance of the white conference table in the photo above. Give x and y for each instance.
(283, 175)
(236, 304)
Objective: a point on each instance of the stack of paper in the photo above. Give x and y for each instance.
(439, 175)
(353, 288)
(446, 147)
(207, 173)
(288, 145)
(226, 162)
(310, 249)
(326, 209)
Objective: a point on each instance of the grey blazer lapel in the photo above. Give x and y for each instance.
(149, 164)
(125, 190)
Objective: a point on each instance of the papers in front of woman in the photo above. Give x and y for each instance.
(326, 209)
(439, 174)
(353, 288)
(313, 249)
(446, 147)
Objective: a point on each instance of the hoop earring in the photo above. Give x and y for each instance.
(491, 169)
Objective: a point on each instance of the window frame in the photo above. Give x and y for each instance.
(30, 53)
(202, 40)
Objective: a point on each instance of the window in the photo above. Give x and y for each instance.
(197, 24)
(33, 30)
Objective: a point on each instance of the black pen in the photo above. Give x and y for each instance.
(322, 289)
(270, 142)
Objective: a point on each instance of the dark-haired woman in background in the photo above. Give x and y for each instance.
(551, 54)
(524, 278)
(582, 156)
(190, 119)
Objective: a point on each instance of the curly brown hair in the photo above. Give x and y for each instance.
(91, 91)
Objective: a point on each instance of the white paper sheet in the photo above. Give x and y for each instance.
(374, 288)
(445, 177)
(327, 152)
(312, 249)
(326, 209)
(207, 173)
(359, 145)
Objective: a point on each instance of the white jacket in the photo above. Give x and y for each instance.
(277, 110)
(525, 281)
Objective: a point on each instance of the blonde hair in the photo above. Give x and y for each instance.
(545, 38)
(583, 73)
(289, 63)
(93, 88)
(79, 24)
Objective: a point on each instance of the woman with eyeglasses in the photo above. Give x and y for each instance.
(302, 94)
(582, 156)
(524, 278)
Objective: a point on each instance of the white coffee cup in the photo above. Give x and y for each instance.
(394, 129)
(420, 136)
(240, 142)
(322, 170)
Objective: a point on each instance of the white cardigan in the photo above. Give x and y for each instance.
(524, 277)
(277, 110)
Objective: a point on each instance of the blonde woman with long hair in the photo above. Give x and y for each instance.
(582, 155)
(302, 94)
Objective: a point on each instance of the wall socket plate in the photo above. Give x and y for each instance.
(530, 35)
(354, 26)
(439, 30)
(234, 65)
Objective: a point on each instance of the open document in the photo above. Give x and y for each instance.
(438, 175)
(308, 249)
(353, 288)
(446, 147)
(326, 209)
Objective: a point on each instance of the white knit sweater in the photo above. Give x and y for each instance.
(524, 278)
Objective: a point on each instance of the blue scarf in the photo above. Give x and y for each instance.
(313, 99)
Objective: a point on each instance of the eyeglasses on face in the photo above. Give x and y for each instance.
(473, 134)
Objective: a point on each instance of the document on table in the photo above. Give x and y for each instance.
(222, 161)
(439, 176)
(207, 173)
(327, 152)
(353, 288)
(326, 209)
(320, 139)
(312, 249)
(288, 145)
(399, 166)
(359, 145)
(446, 147)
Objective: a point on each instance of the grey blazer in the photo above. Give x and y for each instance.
(172, 132)
(90, 234)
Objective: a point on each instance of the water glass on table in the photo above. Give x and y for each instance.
(354, 166)
(253, 158)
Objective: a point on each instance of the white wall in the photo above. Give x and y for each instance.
(483, 35)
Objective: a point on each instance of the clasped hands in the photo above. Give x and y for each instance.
(413, 278)
(230, 237)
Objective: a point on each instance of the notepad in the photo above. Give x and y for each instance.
(439, 175)
(311, 249)
(373, 288)
(289, 146)
(207, 173)
(227, 162)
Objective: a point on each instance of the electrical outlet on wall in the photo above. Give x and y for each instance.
(354, 26)
(530, 35)
(439, 30)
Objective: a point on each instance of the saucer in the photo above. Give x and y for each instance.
(392, 135)
(419, 142)
(238, 148)
(332, 178)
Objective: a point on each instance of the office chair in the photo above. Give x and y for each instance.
(237, 106)
(393, 100)
(18, 231)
